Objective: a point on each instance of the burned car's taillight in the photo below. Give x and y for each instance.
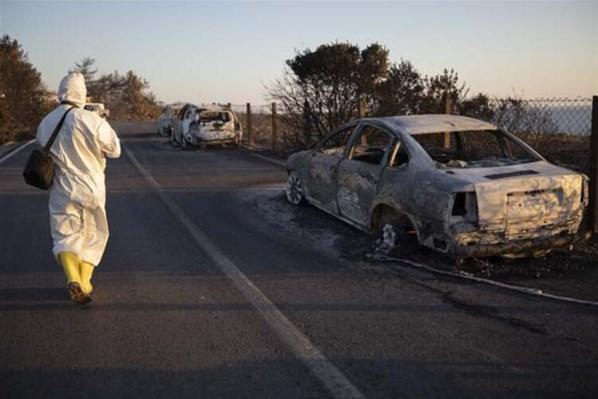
(464, 206)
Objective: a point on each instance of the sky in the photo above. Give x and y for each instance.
(195, 51)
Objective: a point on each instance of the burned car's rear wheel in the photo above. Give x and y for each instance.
(294, 190)
(393, 231)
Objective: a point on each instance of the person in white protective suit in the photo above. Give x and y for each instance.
(78, 220)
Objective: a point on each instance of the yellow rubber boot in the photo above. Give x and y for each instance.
(86, 271)
(70, 264)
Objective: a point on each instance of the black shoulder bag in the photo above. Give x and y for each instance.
(39, 170)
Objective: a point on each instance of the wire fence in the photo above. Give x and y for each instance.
(559, 128)
(543, 115)
(570, 116)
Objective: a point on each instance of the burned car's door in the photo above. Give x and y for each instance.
(359, 172)
(322, 169)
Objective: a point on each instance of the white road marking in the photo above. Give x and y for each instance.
(333, 379)
(15, 151)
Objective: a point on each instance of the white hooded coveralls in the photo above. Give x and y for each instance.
(78, 194)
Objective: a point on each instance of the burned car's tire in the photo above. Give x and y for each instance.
(392, 232)
(385, 239)
(294, 189)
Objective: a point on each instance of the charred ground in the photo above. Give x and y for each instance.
(571, 271)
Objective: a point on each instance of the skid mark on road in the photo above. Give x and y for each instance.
(333, 379)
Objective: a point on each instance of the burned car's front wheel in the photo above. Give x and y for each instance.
(294, 189)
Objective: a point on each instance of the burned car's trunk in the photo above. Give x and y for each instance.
(216, 127)
(519, 209)
(516, 202)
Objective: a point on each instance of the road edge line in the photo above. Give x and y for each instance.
(332, 378)
(14, 151)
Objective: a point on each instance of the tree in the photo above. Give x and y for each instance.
(128, 96)
(478, 107)
(441, 86)
(321, 89)
(402, 93)
(324, 86)
(373, 69)
(140, 102)
(23, 99)
(85, 68)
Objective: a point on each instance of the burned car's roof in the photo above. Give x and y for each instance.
(435, 123)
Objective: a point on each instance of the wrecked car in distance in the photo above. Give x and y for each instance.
(188, 114)
(463, 186)
(167, 120)
(215, 126)
(201, 127)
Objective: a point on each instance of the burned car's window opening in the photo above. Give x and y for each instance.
(335, 144)
(401, 156)
(210, 116)
(474, 149)
(371, 145)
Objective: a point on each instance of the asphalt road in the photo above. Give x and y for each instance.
(213, 287)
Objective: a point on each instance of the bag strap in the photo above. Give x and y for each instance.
(55, 132)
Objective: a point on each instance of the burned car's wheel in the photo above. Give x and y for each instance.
(385, 239)
(394, 231)
(294, 189)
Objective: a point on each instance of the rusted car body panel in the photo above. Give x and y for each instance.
(512, 209)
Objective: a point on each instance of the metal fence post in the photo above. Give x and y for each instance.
(249, 126)
(448, 109)
(594, 168)
(362, 114)
(274, 128)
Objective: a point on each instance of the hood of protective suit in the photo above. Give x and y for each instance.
(72, 88)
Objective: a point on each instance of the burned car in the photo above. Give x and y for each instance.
(215, 126)
(201, 127)
(463, 186)
(167, 120)
(187, 115)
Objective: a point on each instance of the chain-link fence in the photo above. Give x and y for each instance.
(543, 115)
(558, 128)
